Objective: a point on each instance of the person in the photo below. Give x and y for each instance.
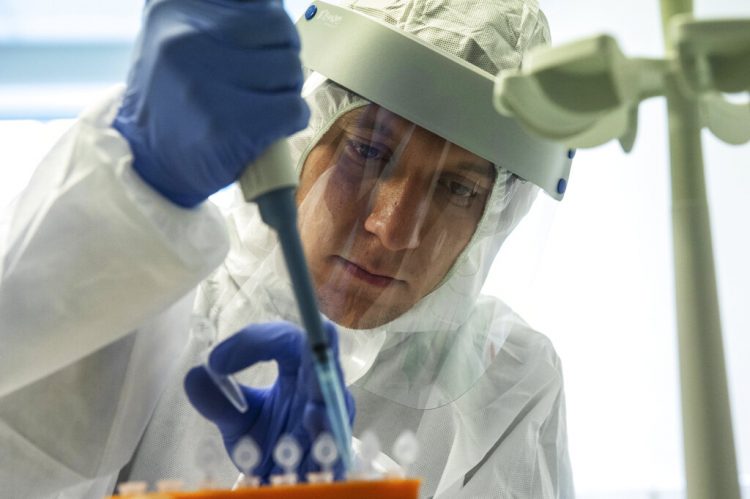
(106, 264)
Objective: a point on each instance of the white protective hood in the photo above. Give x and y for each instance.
(436, 351)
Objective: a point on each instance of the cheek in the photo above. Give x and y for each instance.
(445, 249)
(329, 211)
(448, 237)
(344, 196)
(328, 182)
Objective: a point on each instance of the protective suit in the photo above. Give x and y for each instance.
(91, 386)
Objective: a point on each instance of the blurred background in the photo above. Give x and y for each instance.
(599, 282)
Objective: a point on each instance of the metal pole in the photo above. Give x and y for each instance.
(710, 462)
(668, 9)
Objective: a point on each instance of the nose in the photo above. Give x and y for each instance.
(397, 214)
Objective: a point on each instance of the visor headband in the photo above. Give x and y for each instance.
(429, 87)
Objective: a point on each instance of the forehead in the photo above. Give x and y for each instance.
(375, 118)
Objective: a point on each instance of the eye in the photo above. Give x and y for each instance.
(462, 190)
(459, 191)
(366, 151)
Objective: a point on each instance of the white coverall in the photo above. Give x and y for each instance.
(91, 364)
(99, 278)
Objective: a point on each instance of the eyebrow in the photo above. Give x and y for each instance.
(366, 121)
(487, 170)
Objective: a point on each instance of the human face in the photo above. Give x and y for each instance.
(385, 209)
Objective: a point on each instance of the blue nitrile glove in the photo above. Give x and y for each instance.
(293, 405)
(213, 84)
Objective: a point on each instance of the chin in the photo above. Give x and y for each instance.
(360, 308)
(359, 317)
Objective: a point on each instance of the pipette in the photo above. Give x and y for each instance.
(271, 182)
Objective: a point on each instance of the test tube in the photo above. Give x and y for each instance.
(203, 330)
(169, 485)
(287, 455)
(207, 460)
(229, 387)
(325, 453)
(246, 456)
(405, 451)
(368, 453)
(132, 489)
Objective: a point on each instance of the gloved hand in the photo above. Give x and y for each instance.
(214, 83)
(293, 405)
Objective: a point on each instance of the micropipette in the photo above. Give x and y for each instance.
(271, 182)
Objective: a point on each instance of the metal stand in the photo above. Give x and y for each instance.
(587, 93)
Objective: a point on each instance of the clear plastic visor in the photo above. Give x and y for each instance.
(400, 229)
(385, 209)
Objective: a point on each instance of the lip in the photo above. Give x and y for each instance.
(377, 280)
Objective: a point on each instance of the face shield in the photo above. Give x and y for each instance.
(405, 198)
